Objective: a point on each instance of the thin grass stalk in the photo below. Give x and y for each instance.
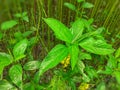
(95, 8)
(104, 16)
(68, 18)
(110, 13)
(97, 14)
(8, 10)
(42, 40)
(48, 29)
(111, 22)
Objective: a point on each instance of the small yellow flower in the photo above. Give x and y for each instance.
(84, 86)
(62, 62)
(66, 61)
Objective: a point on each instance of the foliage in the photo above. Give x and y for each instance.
(82, 60)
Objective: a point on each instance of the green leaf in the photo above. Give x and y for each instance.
(25, 18)
(19, 49)
(108, 70)
(18, 35)
(87, 5)
(72, 84)
(33, 41)
(101, 86)
(118, 59)
(84, 56)
(54, 57)
(15, 74)
(1, 69)
(112, 62)
(5, 85)
(60, 30)
(28, 86)
(77, 29)
(32, 65)
(22, 15)
(85, 78)
(27, 33)
(96, 46)
(90, 21)
(80, 1)
(81, 66)
(95, 34)
(5, 59)
(117, 76)
(70, 6)
(117, 53)
(8, 24)
(91, 72)
(19, 15)
(73, 50)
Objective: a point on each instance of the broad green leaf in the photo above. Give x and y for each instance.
(60, 30)
(15, 74)
(81, 66)
(24, 13)
(73, 50)
(112, 62)
(85, 78)
(90, 21)
(18, 35)
(8, 24)
(91, 72)
(36, 77)
(33, 41)
(108, 70)
(72, 84)
(70, 6)
(117, 53)
(18, 15)
(54, 57)
(95, 34)
(84, 56)
(96, 46)
(5, 85)
(25, 18)
(87, 24)
(27, 33)
(80, 1)
(32, 65)
(5, 59)
(77, 29)
(28, 86)
(19, 49)
(87, 5)
(101, 86)
(117, 76)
